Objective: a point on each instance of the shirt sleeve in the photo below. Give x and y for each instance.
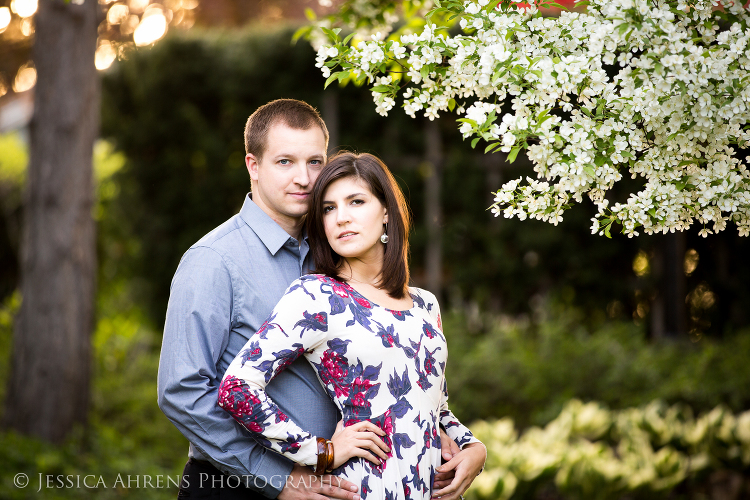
(455, 429)
(298, 324)
(196, 333)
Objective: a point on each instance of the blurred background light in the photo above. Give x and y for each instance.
(24, 8)
(129, 25)
(151, 28)
(105, 55)
(4, 18)
(138, 6)
(118, 13)
(27, 26)
(25, 78)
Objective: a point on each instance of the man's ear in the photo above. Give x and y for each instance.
(252, 163)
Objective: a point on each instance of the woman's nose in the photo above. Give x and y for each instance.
(342, 216)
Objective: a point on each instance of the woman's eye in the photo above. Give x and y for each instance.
(357, 202)
(327, 209)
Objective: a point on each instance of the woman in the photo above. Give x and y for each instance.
(376, 344)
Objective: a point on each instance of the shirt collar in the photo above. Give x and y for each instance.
(269, 232)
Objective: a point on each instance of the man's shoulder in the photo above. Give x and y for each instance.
(221, 235)
(228, 241)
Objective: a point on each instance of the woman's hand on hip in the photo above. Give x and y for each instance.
(359, 440)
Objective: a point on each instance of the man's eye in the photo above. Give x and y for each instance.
(316, 162)
(285, 162)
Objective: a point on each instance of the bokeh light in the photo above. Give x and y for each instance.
(24, 8)
(27, 26)
(25, 78)
(129, 25)
(138, 6)
(151, 28)
(4, 18)
(118, 13)
(105, 55)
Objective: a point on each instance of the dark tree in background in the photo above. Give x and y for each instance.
(49, 384)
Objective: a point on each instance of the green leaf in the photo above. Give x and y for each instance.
(555, 4)
(600, 160)
(310, 14)
(474, 142)
(343, 74)
(583, 3)
(382, 88)
(348, 38)
(333, 35)
(301, 32)
(623, 28)
(513, 153)
(334, 76)
(493, 147)
(606, 231)
(451, 104)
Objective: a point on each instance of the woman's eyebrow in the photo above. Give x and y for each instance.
(347, 198)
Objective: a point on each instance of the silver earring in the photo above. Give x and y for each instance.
(384, 236)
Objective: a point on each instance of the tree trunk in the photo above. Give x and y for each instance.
(48, 391)
(330, 112)
(668, 310)
(433, 210)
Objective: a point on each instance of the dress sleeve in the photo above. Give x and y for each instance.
(298, 324)
(455, 429)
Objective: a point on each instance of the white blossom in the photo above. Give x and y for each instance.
(672, 115)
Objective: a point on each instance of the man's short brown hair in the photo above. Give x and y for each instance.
(293, 113)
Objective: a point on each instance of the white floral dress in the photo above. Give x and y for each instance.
(377, 364)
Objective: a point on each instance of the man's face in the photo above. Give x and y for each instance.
(283, 178)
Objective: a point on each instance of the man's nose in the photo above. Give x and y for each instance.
(303, 176)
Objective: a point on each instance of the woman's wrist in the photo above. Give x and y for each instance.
(477, 445)
(325, 456)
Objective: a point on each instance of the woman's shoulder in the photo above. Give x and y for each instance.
(424, 299)
(307, 283)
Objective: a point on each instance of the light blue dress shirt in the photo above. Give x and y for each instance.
(225, 287)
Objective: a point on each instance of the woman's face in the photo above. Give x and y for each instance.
(353, 219)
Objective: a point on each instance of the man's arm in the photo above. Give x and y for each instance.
(196, 332)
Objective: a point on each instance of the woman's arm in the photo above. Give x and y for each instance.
(298, 324)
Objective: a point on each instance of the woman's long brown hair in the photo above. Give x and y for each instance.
(394, 277)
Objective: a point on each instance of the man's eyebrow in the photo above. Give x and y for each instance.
(290, 155)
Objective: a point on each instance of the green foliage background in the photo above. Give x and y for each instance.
(172, 168)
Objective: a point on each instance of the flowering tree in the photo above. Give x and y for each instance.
(655, 89)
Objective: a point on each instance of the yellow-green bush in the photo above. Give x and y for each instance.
(590, 452)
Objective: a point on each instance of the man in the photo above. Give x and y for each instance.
(225, 287)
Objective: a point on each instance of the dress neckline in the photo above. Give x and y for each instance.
(374, 304)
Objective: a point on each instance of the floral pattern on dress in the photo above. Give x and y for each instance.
(377, 364)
